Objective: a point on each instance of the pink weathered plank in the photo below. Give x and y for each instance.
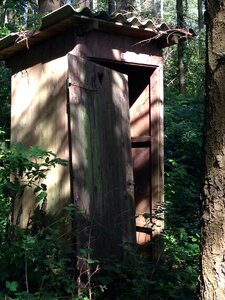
(157, 152)
(39, 117)
(117, 48)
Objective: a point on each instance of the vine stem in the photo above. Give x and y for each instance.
(26, 275)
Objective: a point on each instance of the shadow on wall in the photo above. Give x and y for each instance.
(38, 116)
(101, 157)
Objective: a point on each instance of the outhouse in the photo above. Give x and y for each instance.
(89, 87)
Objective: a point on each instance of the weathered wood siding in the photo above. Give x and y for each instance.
(140, 134)
(39, 117)
(157, 148)
(117, 48)
(101, 157)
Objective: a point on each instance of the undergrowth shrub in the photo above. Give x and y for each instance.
(36, 262)
(32, 265)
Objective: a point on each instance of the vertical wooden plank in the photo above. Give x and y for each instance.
(142, 179)
(102, 156)
(38, 117)
(140, 127)
(140, 115)
(157, 142)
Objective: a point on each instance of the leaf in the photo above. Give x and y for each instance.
(92, 261)
(37, 189)
(60, 161)
(44, 187)
(70, 207)
(147, 216)
(40, 197)
(85, 250)
(12, 286)
(194, 239)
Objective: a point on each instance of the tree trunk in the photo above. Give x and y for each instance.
(161, 10)
(122, 6)
(2, 14)
(213, 195)
(47, 6)
(181, 47)
(111, 6)
(181, 68)
(83, 3)
(200, 15)
(154, 9)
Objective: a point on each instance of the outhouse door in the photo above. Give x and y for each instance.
(101, 161)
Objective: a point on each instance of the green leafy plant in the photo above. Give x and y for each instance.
(21, 169)
(35, 262)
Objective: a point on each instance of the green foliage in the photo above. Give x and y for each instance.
(34, 262)
(172, 276)
(194, 62)
(27, 168)
(183, 151)
(4, 99)
(18, 16)
(36, 266)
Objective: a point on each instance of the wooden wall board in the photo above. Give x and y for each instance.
(117, 48)
(39, 117)
(157, 146)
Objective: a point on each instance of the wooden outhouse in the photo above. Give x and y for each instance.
(89, 87)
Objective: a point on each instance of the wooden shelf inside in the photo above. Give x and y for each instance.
(144, 229)
(141, 141)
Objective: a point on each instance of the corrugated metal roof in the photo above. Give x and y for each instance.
(83, 19)
(118, 18)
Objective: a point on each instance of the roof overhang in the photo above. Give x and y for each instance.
(66, 17)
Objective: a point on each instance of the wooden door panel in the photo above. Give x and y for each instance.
(101, 156)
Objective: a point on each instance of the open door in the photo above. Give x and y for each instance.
(100, 146)
(147, 149)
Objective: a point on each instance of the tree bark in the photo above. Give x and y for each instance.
(154, 9)
(212, 285)
(47, 6)
(122, 6)
(111, 6)
(161, 10)
(83, 3)
(200, 15)
(181, 47)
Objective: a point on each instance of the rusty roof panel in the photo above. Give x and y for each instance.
(84, 20)
(68, 11)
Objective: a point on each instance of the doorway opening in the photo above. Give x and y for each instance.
(139, 77)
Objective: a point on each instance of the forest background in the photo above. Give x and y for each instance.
(39, 266)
